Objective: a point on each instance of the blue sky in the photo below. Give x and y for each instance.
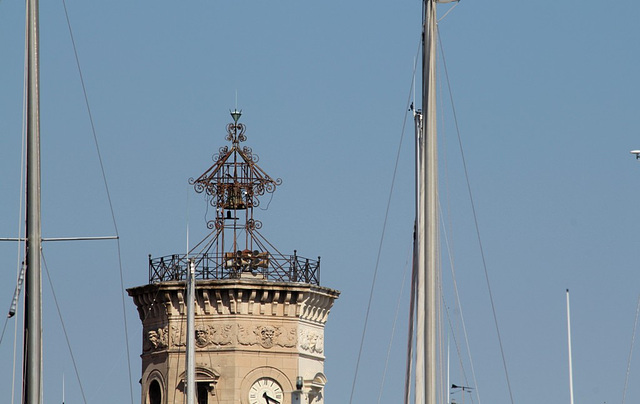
(546, 100)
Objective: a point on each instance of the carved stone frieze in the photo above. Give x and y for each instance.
(221, 335)
(213, 335)
(267, 336)
(311, 341)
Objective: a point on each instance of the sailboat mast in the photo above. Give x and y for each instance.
(428, 216)
(32, 354)
(417, 115)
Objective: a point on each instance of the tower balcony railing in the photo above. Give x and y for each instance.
(279, 268)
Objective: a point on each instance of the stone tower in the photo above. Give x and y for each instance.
(259, 314)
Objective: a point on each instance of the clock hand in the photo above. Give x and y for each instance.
(269, 399)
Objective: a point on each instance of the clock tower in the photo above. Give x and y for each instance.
(259, 313)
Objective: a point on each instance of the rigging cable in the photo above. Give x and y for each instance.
(106, 186)
(633, 338)
(4, 328)
(23, 158)
(395, 319)
(448, 242)
(475, 218)
(464, 326)
(384, 227)
(64, 329)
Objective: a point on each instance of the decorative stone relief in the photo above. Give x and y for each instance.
(178, 338)
(157, 340)
(221, 335)
(289, 339)
(267, 336)
(202, 336)
(311, 341)
(218, 335)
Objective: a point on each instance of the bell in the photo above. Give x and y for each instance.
(234, 200)
(230, 260)
(260, 260)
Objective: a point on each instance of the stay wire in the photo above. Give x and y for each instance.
(477, 226)
(464, 325)
(21, 220)
(448, 239)
(106, 186)
(395, 320)
(64, 328)
(633, 338)
(4, 328)
(384, 227)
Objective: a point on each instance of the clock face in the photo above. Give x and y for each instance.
(265, 391)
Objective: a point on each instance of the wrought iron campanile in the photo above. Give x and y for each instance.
(233, 186)
(259, 314)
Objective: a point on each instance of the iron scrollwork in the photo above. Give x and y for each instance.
(233, 186)
(235, 132)
(253, 224)
(215, 223)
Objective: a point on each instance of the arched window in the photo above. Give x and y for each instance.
(155, 393)
(202, 391)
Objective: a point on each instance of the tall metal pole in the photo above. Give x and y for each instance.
(32, 355)
(415, 274)
(430, 219)
(569, 343)
(191, 349)
(420, 272)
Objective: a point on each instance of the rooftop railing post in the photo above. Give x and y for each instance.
(306, 271)
(295, 266)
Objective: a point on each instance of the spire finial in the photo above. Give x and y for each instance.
(235, 114)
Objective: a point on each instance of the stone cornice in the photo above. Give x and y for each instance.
(238, 297)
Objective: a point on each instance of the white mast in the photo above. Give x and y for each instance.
(32, 349)
(427, 217)
(569, 343)
(413, 306)
(426, 230)
(190, 362)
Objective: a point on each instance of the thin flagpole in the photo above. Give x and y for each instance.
(569, 343)
(191, 393)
